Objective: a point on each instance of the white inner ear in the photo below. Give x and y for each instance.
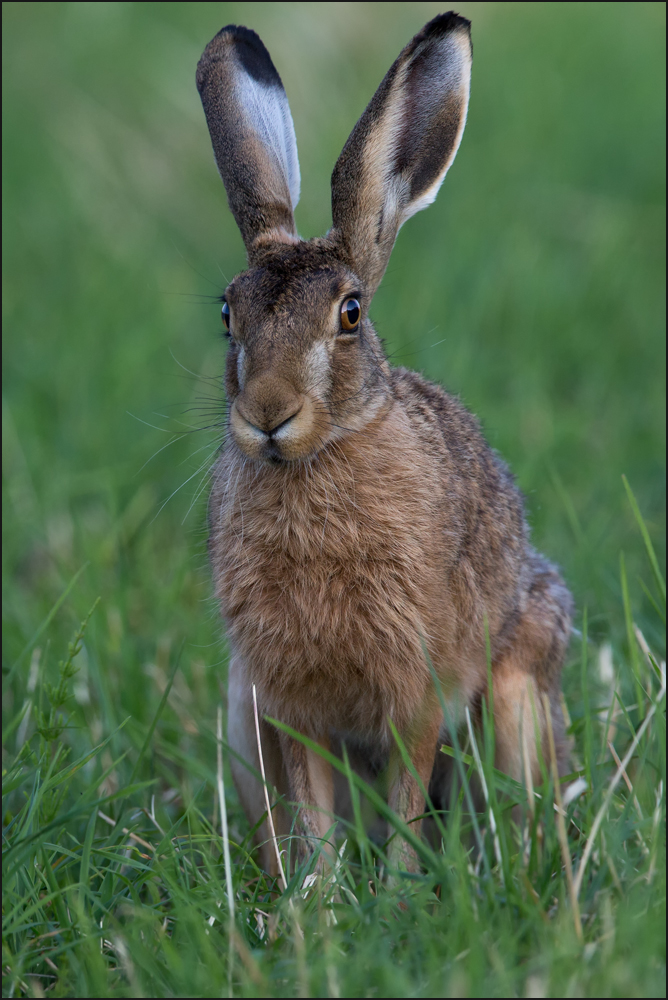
(458, 78)
(450, 73)
(267, 112)
(429, 196)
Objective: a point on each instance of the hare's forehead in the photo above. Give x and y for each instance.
(269, 292)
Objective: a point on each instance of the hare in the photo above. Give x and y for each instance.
(361, 529)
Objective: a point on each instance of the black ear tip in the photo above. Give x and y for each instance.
(249, 49)
(444, 24)
(237, 30)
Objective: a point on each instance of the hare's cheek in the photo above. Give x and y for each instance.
(232, 387)
(317, 370)
(347, 374)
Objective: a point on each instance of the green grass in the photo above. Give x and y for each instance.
(533, 287)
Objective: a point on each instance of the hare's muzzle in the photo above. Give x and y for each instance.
(273, 423)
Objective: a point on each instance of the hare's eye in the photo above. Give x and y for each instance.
(225, 312)
(350, 315)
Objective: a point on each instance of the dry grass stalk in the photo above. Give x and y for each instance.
(615, 757)
(223, 813)
(561, 825)
(625, 776)
(656, 819)
(226, 842)
(642, 642)
(601, 814)
(478, 764)
(270, 818)
(128, 833)
(531, 800)
(528, 779)
(611, 721)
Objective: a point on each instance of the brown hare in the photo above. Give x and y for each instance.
(361, 529)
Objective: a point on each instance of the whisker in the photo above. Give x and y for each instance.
(192, 267)
(162, 507)
(189, 372)
(163, 430)
(207, 445)
(198, 493)
(179, 437)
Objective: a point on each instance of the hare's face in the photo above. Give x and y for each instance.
(304, 365)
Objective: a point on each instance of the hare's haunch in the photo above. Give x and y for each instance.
(360, 526)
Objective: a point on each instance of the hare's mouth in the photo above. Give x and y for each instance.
(273, 455)
(277, 439)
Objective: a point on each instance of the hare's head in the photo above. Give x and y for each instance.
(305, 365)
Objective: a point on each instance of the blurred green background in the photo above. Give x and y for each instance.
(533, 287)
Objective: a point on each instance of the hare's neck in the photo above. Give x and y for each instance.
(363, 486)
(330, 477)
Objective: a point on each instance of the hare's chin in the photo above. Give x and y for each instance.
(300, 437)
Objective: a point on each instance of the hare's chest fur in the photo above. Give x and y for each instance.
(331, 575)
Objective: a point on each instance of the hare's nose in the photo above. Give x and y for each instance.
(267, 420)
(275, 430)
(271, 427)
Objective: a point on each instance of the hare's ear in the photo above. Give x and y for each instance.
(252, 133)
(399, 152)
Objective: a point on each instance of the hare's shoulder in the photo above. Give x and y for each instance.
(472, 471)
(438, 416)
(447, 427)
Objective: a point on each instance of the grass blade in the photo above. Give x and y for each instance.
(631, 637)
(660, 582)
(47, 621)
(600, 816)
(158, 713)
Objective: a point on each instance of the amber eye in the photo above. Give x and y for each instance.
(351, 312)
(225, 312)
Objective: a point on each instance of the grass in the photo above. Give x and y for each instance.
(533, 287)
(103, 897)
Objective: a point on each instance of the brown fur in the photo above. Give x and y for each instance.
(357, 516)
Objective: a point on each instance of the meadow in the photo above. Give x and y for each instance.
(534, 289)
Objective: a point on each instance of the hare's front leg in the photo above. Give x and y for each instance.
(242, 739)
(312, 788)
(406, 796)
